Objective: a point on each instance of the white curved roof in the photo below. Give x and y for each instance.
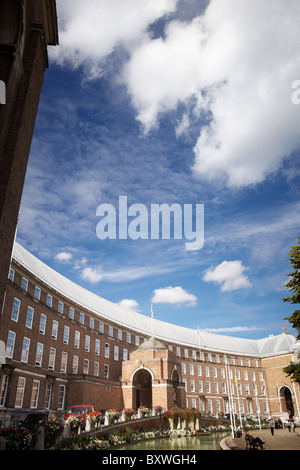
(146, 325)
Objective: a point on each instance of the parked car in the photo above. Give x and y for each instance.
(79, 410)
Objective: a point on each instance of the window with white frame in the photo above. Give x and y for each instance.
(77, 339)
(92, 323)
(20, 392)
(52, 355)
(206, 371)
(110, 331)
(116, 353)
(64, 362)
(37, 292)
(35, 394)
(48, 396)
(86, 366)
(75, 365)
(183, 368)
(87, 343)
(54, 330)
(60, 306)
(24, 284)
(106, 371)
(29, 317)
(43, 321)
(191, 369)
(25, 349)
(11, 275)
(81, 318)
(192, 385)
(208, 389)
(66, 334)
(106, 350)
(125, 355)
(120, 335)
(71, 313)
(200, 386)
(128, 338)
(101, 327)
(61, 397)
(96, 369)
(49, 300)
(39, 354)
(199, 371)
(10, 345)
(15, 310)
(3, 390)
(97, 347)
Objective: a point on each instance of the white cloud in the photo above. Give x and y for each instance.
(235, 64)
(173, 295)
(63, 256)
(233, 329)
(90, 31)
(229, 275)
(92, 275)
(131, 304)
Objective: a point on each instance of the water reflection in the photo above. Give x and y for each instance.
(207, 442)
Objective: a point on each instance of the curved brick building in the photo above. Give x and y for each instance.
(65, 345)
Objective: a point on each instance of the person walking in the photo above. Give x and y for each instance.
(272, 425)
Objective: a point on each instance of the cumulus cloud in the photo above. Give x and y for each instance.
(92, 275)
(63, 256)
(233, 67)
(131, 304)
(229, 275)
(90, 31)
(173, 295)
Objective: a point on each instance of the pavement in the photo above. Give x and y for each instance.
(282, 440)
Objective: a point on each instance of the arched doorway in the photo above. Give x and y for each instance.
(288, 406)
(142, 389)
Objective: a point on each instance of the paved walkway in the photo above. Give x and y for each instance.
(282, 440)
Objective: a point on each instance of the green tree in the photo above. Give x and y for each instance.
(293, 286)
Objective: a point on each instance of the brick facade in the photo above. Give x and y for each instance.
(59, 354)
(27, 27)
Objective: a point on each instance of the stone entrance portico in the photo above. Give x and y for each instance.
(151, 377)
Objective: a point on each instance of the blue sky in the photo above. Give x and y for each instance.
(172, 102)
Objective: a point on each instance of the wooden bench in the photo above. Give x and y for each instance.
(250, 443)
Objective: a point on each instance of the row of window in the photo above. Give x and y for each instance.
(215, 388)
(34, 393)
(237, 373)
(207, 406)
(11, 340)
(91, 323)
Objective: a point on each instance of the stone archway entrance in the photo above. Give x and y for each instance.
(288, 406)
(142, 389)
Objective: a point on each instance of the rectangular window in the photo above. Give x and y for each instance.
(71, 313)
(101, 327)
(128, 338)
(125, 355)
(97, 347)
(81, 318)
(66, 334)
(54, 330)
(4, 385)
(120, 335)
(60, 307)
(39, 354)
(75, 365)
(106, 371)
(52, 359)
(87, 343)
(11, 275)
(25, 350)
(96, 369)
(20, 392)
(110, 331)
(77, 340)
(86, 366)
(37, 293)
(64, 361)
(49, 300)
(43, 324)
(106, 350)
(61, 397)
(48, 396)
(92, 323)
(29, 317)
(116, 353)
(15, 310)
(10, 345)
(35, 394)
(24, 284)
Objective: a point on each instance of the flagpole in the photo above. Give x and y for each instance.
(237, 392)
(229, 402)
